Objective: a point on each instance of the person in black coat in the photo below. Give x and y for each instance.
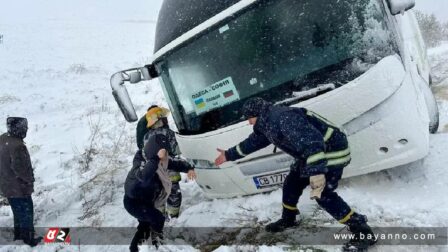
(320, 150)
(147, 188)
(17, 179)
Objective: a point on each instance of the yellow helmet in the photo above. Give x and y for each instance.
(154, 114)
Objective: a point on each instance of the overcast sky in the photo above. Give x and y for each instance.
(438, 7)
(17, 10)
(89, 10)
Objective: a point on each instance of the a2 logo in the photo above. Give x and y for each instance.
(58, 235)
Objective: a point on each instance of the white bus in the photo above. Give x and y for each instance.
(362, 64)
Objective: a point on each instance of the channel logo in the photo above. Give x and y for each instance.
(57, 235)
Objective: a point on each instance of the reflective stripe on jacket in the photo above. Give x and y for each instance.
(306, 136)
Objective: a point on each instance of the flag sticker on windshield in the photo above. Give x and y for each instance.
(228, 94)
(214, 96)
(200, 103)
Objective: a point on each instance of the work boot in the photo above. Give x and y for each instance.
(288, 220)
(17, 234)
(363, 234)
(33, 242)
(29, 239)
(140, 237)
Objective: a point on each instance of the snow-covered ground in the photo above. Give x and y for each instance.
(56, 73)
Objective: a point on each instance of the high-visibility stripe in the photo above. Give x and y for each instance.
(328, 134)
(316, 157)
(334, 158)
(172, 210)
(175, 178)
(347, 217)
(289, 207)
(339, 161)
(311, 113)
(337, 154)
(238, 149)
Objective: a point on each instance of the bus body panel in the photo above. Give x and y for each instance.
(414, 43)
(340, 106)
(399, 137)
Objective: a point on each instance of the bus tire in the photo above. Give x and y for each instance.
(434, 122)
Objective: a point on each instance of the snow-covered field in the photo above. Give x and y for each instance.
(56, 73)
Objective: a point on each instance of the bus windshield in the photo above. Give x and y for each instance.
(271, 50)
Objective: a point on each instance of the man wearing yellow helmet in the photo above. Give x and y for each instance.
(155, 122)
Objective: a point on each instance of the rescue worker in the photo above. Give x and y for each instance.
(17, 179)
(147, 188)
(154, 122)
(321, 152)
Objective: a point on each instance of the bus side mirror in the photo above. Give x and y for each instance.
(400, 6)
(120, 93)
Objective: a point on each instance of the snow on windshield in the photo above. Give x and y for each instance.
(377, 40)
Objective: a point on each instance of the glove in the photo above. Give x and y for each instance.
(317, 183)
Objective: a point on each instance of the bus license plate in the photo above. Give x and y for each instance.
(270, 179)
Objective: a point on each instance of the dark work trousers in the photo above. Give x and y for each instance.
(174, 200)
(330, 201)
(23, 211)
(145, 213)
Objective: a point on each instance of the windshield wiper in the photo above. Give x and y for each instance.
(307, 94)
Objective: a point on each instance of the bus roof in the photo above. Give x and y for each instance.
(177, 17)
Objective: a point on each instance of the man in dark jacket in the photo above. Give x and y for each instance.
(147, 188)
(320, 151)
(17, 179)
(155, 122)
